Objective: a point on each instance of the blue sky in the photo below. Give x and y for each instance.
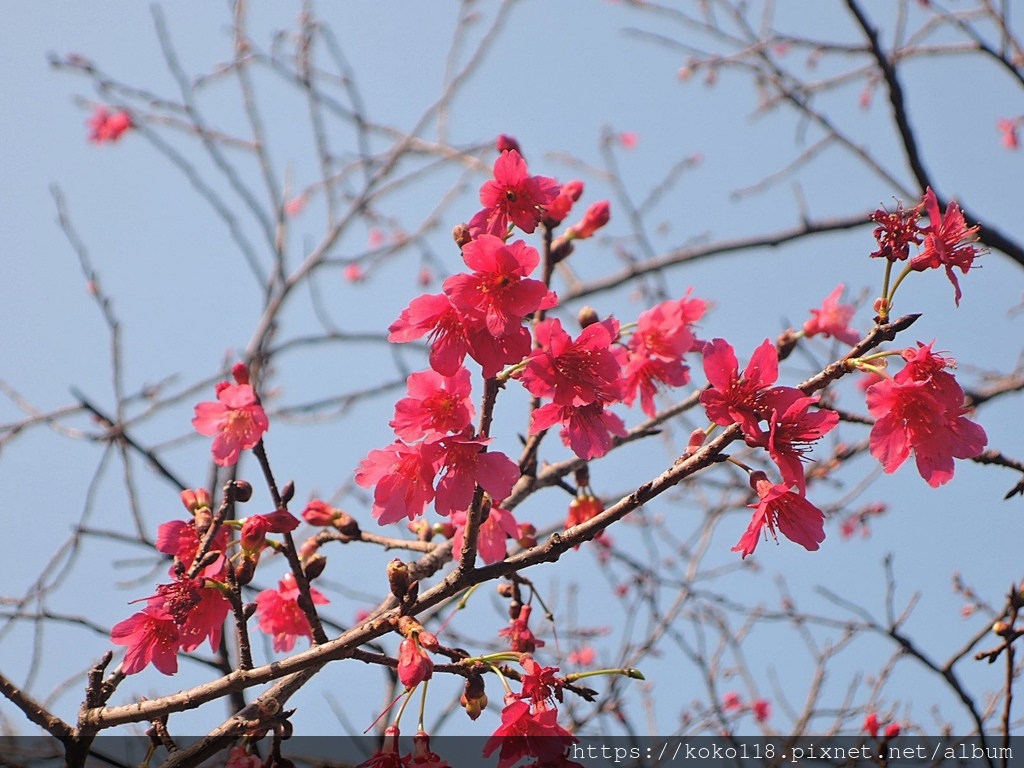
(557, 78)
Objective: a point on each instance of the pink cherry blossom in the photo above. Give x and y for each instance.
(586, 429)
(280, 616)
(236, 422)
(512, 196)
(794, 516)
(499, 526)
(573, 371)
(833, 319)
(734, 399)
(948, 241)
(404, 479)
(465, 464)
(436, 317)
(152, 637)
(108, 127)
(436, 404)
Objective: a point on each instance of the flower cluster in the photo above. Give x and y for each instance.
(921, 410)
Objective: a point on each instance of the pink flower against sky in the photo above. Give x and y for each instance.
(512, 196)
(236, 422)
(436, 404)
(779, 508)
(108, 127)
(735, 399)
(833, 319)
(465, 464)
(280, 616)
(948, 241)
(152, 637)
(573, 371)
(404, 479)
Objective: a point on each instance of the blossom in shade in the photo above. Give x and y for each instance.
(527, 733)
(404, 479)
(833, 319)
(238, 757)
(236, 422)
(573, 371)
(512, 196)
(779, 508)
(896, 232)
(434, 316)
(498, 294)
(435, 404)
(280, 616)
(520, 637)
(152, 637)
(499, 526)
(105, 126)
(733, 398)
(422, 756)
(921, 411)
(595, 217)
(465, 464)
(387, 756)
(948, 241)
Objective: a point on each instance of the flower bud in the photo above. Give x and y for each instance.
(461, 236)
(314, 566)
(240, 372)
(474, 697)
(587, 316)
(241, 491)
(319, 513)
(246, 569)
(1001, 628)
(288, 492)
(506, 143)
(398, 578)
(527, 536)
(197, 499)
(597, 216)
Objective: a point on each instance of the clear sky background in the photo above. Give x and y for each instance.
(558, 76)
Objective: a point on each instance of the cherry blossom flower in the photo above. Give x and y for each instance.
(512, 196)
(387, 756)
(520, 637)
(353, 273)
(526, 733)
(404, 479)
(499, 526)
(734, 399)
(794, 516)
(436, 404)
(414, 663)
(573, 371)
(629, 139)
(498, 294)
(181, 540)
(236, 422)
(587, 429)
(896, 232)
(539, 682)
(466, 464)
(731, 702)
(295, 206)
(107, 126)
(422, 756)
(583, 508)
(152, 637)
(948, 241)
(583, 657)
(833, 319)
(280, 616)
(238, 757)
(595, 217)
(436, 317)
(892, 730)
(920, 411)
(793, 428)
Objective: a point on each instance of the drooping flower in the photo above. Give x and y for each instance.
(236, 422)
(152, 637)
(733, 399)
(404, 479)
(512, 196)
(792, 514)
(833, 319)
(896, 232)
(107, 126)
(387, 756)
(498, 294)
(539, 682)
(526, 733)
(499, 526)
(920, 411)
(948, 241)
(422, 756)
(520, 637)
(436, 404)
(414, 663)
(573, 371)
(280, 616)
